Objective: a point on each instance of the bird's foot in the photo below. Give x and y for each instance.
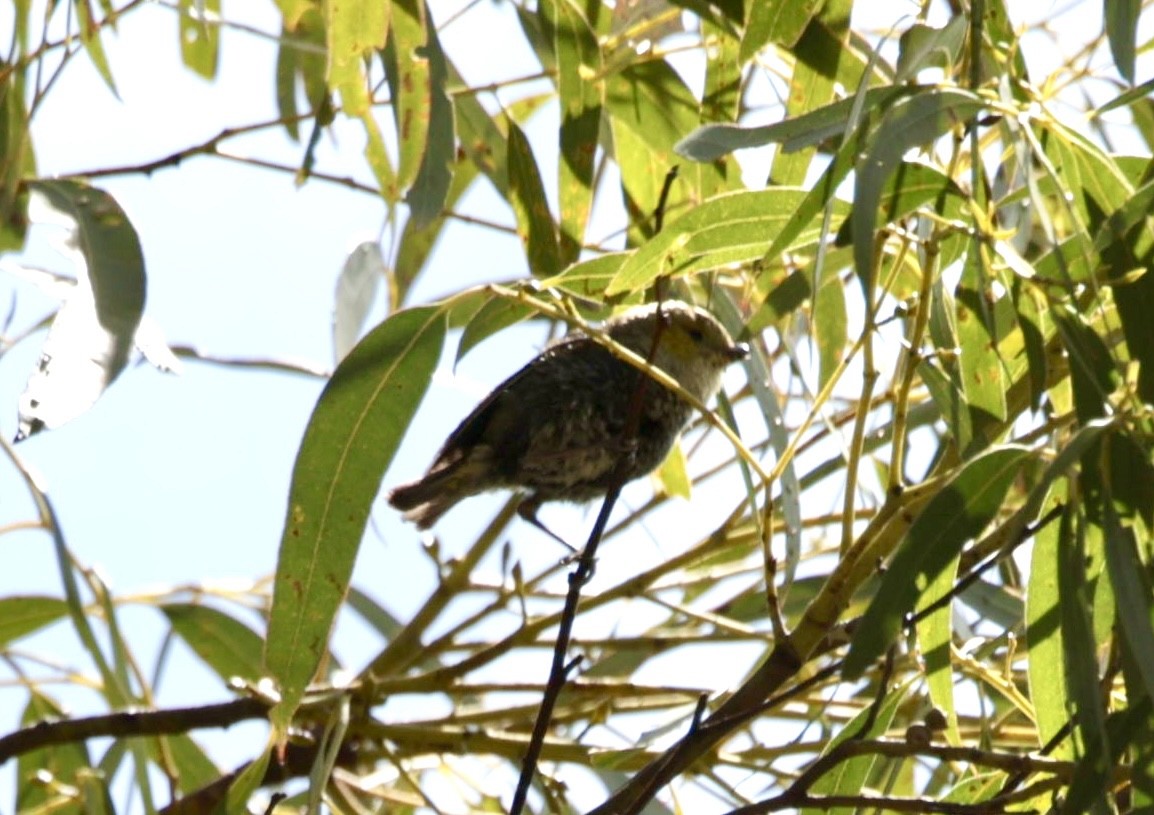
(528, 512)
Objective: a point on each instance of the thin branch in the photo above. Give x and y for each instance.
(559, 670)
(130, 723)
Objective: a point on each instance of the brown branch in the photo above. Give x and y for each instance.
(129, 723)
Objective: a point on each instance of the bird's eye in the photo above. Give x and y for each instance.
(696, 334)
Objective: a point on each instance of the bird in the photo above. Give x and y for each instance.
(560, 428)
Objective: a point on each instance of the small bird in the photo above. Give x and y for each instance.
(559, 427)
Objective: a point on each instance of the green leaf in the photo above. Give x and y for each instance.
(1122, 32)
(954, 516)
(1080, 665)
(786, 296)
(981, 370)
(17, 161)
(813, 83)
(92, 334)
(62, 762)
(780, 22)
(650, 108)
(527, 196)
(913, 122)
(852, 776)
(1092, 370)
(306, 63)
(20, 615)
(935, 636)
(1132, 592)
(1048, 690)
(426, 197)
(200, 36)
(482, 139)
(497, 314)
(1139, 93)
(350, 440)
(579, 92)
(410, 85)
(673, 474)
(227, 645)
(830, 324)
(193, 769)
(729, 229)
(354, 29)
(247, 782)
(90, 37)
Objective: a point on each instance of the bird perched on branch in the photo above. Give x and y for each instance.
(576, 419)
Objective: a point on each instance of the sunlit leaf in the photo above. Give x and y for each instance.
(578, 63)
(729, 229)
(775, 21)
(952, 517)
(92, 334)
(200, 35)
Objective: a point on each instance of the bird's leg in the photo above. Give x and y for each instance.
(528, 511)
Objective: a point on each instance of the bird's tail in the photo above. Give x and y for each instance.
(425, 500)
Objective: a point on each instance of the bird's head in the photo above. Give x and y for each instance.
(694, 348)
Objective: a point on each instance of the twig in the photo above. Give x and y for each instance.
(578, 578)
(130, 723)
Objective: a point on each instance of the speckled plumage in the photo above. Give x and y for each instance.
(556, 428)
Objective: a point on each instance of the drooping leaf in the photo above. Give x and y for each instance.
(17, 161)
(935, 638)
(649, 109)
(354, 431)
(92, 334)
(1076, 568)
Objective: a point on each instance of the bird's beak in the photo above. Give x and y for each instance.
(738, 351)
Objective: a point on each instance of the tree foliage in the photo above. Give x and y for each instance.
(927, 498)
